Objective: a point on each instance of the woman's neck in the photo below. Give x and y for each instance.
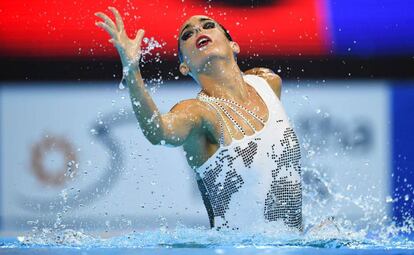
(223, 79)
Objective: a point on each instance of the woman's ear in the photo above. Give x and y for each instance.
(184, 70)
(235, 46)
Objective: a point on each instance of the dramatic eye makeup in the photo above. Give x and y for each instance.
(186, 35)
(207, 25)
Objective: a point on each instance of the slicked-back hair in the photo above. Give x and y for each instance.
(226, 33)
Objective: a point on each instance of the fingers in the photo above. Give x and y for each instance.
(139, 36)
(106, 19)
(118, 19)
(108, 29)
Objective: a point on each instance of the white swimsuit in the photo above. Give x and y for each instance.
(257, 179)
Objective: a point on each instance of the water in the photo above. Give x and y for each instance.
(345, 236)
(330, 237)
(182, 240)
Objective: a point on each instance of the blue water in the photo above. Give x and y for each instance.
(184, 240)
(198, 251)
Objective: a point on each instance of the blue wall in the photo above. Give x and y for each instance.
(372, 27)
(403, 149)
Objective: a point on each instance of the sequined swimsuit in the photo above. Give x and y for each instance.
(256, 180)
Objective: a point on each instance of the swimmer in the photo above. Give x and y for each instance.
(235, 132)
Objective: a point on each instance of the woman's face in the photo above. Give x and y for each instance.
(202, 40)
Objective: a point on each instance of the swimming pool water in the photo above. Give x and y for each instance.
(184, 240)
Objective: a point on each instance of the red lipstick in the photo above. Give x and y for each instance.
(202, 40)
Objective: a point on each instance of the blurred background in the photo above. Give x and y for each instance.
(72, 154)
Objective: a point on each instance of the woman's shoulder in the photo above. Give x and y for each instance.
(189, 104)
(193, 106)
(274, 80)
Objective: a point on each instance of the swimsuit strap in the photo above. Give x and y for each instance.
(241, 115)
(231, 118)
(235, 107)
(220, 117)
(230, 102)
(217, 105)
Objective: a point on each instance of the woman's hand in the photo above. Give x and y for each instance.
(129, 50)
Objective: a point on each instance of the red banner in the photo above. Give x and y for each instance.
(41, 28)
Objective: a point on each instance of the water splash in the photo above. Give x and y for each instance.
(147, 56)
(183, 237)
(367, 232)
(361, 233)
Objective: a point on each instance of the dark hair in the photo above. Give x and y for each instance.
(226, 33)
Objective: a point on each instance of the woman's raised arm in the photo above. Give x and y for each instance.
(173, 127)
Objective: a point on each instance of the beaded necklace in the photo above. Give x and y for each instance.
(217, 102)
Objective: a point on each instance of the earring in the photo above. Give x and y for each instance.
(184, 69)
